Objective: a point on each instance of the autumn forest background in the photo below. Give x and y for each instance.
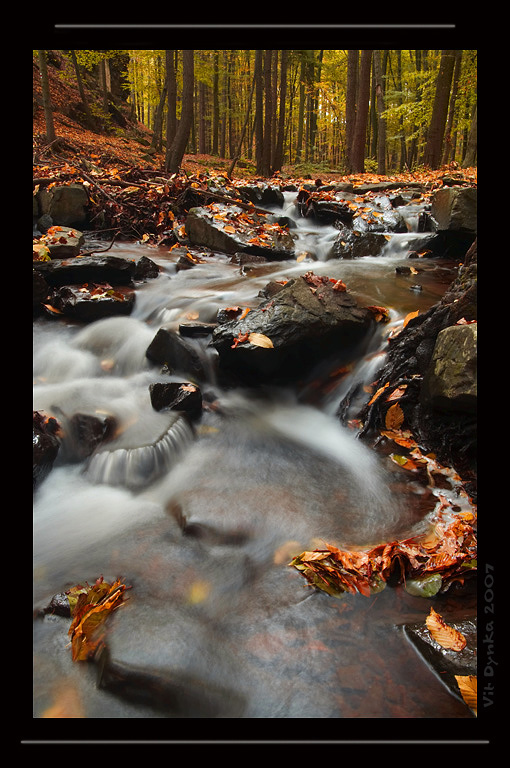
(261, 112)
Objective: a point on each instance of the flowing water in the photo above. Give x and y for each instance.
(202, 521)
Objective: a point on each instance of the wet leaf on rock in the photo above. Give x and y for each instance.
(90, 607)
(468, 689)
(447, 636)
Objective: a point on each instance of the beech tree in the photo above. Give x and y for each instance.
(434, 147)
(360, 126)
(175, 152)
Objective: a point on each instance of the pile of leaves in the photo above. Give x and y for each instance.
(426, 563)
(90, 608)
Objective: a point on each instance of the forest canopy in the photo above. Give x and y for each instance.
(381, 111)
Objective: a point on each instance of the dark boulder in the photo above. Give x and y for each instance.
(87, 269)
(176, 396)
(90, 302)
(307, 321)
(46, 445)
(178, 353)
(230, 229)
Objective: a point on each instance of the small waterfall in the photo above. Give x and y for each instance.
(136, 459)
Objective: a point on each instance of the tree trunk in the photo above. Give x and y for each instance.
(83, 96)
(157, 136)
(448, 152)
(360, 128)
(350, 104)
(434, 147)
(259, 120)
(278, 160)
(178, 147)
(216, 105)
(381, 121)
(268, 115)
(470, 156)
(171, 87)
(48, 110)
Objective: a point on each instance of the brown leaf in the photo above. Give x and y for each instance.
(443, 633)
(394, 417)
(468, 688)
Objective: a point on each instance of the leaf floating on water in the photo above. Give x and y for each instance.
(468, 689)
(259, 340)
(447, 636)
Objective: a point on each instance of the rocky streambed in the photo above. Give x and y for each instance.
(232, 371)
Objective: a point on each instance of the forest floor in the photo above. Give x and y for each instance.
(131, 150)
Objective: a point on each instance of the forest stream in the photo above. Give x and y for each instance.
(202, 520)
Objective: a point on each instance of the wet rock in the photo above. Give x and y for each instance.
(352, 244)
(84, 433)
(196, 328)
(306, 322)
(87, 269)
(145, 269)
(451, 382)
(46, 446)
(176, 396)
(62, 242)
(90, 303)
(455, 209)
(178, 353)
(39, 292)
(262, 194)
(446, 663)
(67, 205)
(230, 229)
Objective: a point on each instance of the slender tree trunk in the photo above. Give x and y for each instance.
(350, 104)
(178, 147)
(83, 96)
(157, 136)
(259, 106)
(470, 156)
(448, 152)
(216, 105)
(171, 87)
(433, 149)
(381, 121)
(246, 119)
(268, 115)
(48, 109)
(278, 159)
(301, 111)
(360, 128)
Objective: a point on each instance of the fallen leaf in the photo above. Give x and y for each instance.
(259, 340)
(378, 393)
(410, 316)
(447, 636)
(394, 417)
(468, 689)
(397, 393)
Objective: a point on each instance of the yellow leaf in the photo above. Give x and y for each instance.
(229, 228)
(443, 633)
(259, 340)
(468, 688)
